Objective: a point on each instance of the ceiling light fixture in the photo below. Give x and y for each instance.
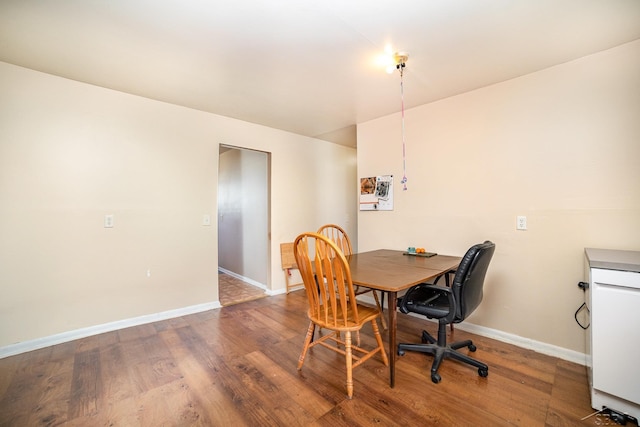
(400, 59)
(392, 61)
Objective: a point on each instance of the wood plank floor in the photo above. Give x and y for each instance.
(237, 366)
(234, 291)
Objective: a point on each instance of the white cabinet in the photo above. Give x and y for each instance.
(613, 338)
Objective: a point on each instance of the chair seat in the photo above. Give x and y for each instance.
(429, 304)
(365, 314)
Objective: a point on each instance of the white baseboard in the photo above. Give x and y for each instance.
(281, 291)
(269, 292)
(38, 343)
(23, 347)
(529, 344)
(244, 279)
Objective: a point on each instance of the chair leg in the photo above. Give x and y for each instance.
(442, 335)
(448, 284)
(376, 333)
(420, 348)
(307, 341)
(375, 296)
(427, 338)
(439, 354)
(459, 344)
(349, 359)
(286, 280)
(468, 360)
(313, 333)
(440, 350)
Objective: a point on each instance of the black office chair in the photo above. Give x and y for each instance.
(450, 305)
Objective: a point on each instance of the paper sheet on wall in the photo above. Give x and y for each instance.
(376, 193)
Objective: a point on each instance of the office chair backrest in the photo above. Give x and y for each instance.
(327, 280)
(469, 279)
(338, 236)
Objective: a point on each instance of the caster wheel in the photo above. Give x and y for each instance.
(472, 347)
(400, 352)
(483, 372)
(435, 378)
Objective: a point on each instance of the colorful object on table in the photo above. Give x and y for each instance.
(420, 252)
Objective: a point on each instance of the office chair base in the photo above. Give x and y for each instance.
(444, 352)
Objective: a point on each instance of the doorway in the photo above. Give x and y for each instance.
(243, 216)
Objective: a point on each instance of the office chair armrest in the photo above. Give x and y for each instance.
(435, 291)
(446, 274)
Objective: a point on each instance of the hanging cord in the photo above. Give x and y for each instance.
(575, 316)
(404, 148)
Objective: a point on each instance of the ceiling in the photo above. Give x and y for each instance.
(308, 67)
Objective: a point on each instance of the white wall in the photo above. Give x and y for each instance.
(71, 153)
(560, 146)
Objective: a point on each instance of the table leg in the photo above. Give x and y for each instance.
(393, 303)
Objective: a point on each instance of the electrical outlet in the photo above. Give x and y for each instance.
(206, 219)
(521, 222)
(108, 221)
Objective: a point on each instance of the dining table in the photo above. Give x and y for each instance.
(393, 271)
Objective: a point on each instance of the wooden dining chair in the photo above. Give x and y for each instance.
(341, 239)
(332, 304)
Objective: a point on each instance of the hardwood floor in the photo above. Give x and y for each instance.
(237, 366)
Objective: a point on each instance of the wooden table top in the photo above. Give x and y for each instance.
(391, 271)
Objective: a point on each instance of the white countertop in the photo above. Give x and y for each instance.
(611, 259)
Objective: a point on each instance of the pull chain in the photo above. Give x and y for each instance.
(404, 148)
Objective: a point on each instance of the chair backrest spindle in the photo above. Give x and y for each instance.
(338, 236)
